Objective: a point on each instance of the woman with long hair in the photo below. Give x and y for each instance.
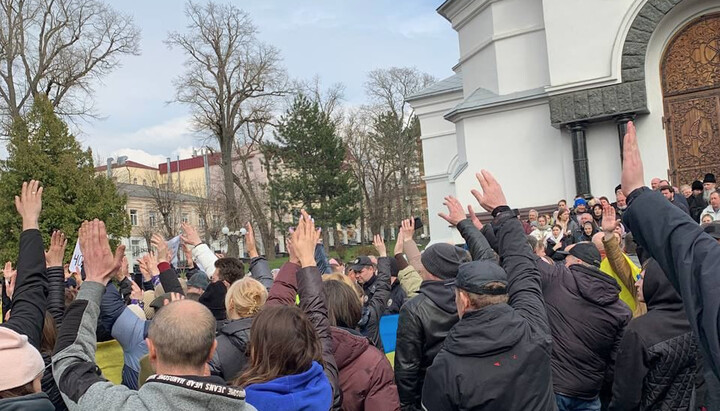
(366, 376)
(291, 366)
(565, 222)
(243, 301)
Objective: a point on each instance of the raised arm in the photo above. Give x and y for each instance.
(477, 243)
(284, 289)
(409, 247)
(311, 300)
(259, 268)
(524, 285)
(202, 254)
(688, 256)
(56, 276)
(29, 299)
(168, 275)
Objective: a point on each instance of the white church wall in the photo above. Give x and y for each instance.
(522, 62)
(580, 37)
(603, 148)
(521, 149)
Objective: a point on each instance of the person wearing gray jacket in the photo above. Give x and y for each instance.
(179, 349)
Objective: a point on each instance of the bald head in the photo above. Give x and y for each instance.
(597, 241)
(183, 333)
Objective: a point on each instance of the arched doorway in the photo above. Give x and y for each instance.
(690, 70)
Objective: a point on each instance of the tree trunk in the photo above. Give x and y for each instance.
(230, 203)
(262, 223)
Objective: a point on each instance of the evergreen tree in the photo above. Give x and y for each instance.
(42, 148)
(312, 172)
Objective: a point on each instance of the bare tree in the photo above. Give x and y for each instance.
(168, 203)
(58, 47)
(230, 81)
(395, 124)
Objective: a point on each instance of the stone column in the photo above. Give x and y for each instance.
(580, 158)
(622, 122)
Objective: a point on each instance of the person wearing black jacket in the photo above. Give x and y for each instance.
(398, 296)
(377, 292)
(686, 254)
(587, 319)
(658, 357)
(696, 202)
(497, 357)
(20, 383)
(425, 320)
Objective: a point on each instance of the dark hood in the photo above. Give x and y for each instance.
(239, 328)
(38, 401)
(594, 285)
(657, 290)
(489, 331)
(439, 293)
(347, 347)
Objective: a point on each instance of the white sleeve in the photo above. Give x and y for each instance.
(204, 257)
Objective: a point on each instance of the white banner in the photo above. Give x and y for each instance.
(77, 258)
(174, 246)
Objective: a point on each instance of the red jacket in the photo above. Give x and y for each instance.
(366, 377)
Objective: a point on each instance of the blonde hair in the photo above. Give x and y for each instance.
(347, 280)
(245, 298)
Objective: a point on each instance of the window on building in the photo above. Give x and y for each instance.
(152, 219)
(135, 248)
(201, 223)
(133, 217)
(144, 182)
(250, 167)
(185, 218)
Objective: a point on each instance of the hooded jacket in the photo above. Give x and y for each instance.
(498, 357)
(366, 377)
(309, 390)
(423, 324)
(658, 356)
(36, 402)
(231, 353)
(587, 320)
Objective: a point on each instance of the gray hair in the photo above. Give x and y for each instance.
(183, 333)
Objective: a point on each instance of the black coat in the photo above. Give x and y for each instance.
(658, 357)
(498, 357)
(587, 320)
(688, 256)
(697, 204)
(377, 294)
(398, 296)
(423, 325)
(231, 354)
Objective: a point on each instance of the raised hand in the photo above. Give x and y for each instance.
(380, 245)
(304, 240)
(162, 248)
(632, 169)
(398, 243)
(99, 263)
(151, 262)
(137, 293)
(188, 256)
(10, 276)
(29, 204)
(455, 210)
(473, 217)
(173, 297)
(123, 272)
(609, 222)
(408, 228)
(190, 235)
(290, 247)
(492, 195)
(250, 243)
(54, 255)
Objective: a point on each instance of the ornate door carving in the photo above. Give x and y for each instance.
(691, 88)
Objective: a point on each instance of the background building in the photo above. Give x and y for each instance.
(543, 92)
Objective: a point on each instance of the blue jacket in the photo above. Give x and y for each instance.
(309, 390)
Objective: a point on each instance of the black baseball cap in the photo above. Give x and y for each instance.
(474, 276)
(713, 229)
(360, 263)
(585, 251)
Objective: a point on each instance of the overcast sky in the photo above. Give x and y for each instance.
(341, 41)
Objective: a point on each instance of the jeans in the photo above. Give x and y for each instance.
(576, 404)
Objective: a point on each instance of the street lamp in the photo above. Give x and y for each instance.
(231, 235)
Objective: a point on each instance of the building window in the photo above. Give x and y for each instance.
(250, 167)
(144, 182)
(134, 180)
(133, 217)
(185, 218)
(201, 223)
(135, 247)
(152, 219)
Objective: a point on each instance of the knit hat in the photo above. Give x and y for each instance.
(697, 185)
(580, 201)
(442, 260)
(709, 178)
(22, 361)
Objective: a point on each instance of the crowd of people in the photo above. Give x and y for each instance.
(600, 305)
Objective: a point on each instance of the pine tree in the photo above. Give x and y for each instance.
(42, 148)
(312, 172)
